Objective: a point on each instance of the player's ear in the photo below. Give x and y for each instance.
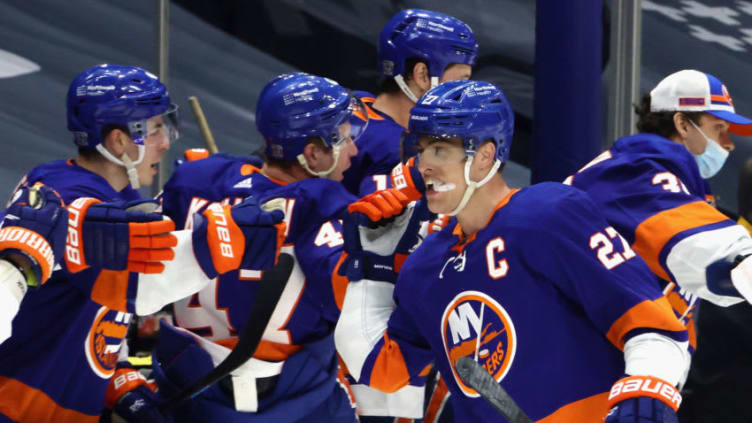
(420, 76)
(314, 153)
(116, 141)
(681, 125)
(486, 155)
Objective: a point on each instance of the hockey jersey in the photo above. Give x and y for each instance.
(308, 308)
(543, 297)
(67, 334)
(378, 151)
(650, 190)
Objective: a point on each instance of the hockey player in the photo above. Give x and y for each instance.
(67, 334)
(293, 375)
(417, 50)
(651, 188)
(32, 243)
(533, 284)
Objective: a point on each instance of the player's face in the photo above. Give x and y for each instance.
(347, 149)
(157, 143)
(457, 72)
(715, 128)
(442, 165)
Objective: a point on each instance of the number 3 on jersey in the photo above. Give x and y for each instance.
(202, 314)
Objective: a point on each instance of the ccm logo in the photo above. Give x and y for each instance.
(223, 233)
(643, 386)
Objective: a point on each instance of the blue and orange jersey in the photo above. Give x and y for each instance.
(67, 334)
(378, 151)
(650, 190)
(308, 308)
(543, 297)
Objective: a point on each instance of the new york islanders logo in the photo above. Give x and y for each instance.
(475, 325)
(102, 345)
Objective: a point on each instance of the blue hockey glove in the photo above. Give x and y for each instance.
(33, 232)
(380, 230)
(140, 405)
(118, 236)
(643, 399)
(246, 236)
(132, 397)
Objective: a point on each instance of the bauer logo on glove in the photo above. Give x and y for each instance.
(118, 236)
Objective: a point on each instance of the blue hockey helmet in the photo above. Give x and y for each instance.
(294, 107)
(116, 95)
(434, 37)
(473, 111)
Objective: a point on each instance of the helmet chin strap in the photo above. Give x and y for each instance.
(405, 89)
(471, 185)
(125, 161)
(323, 173)
(400, 80)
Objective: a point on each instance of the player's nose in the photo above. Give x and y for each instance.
(726, 142)
(352, 147)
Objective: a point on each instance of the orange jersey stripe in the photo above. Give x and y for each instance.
(692, 334)
(590, 409)
(439, 397)
(372, 114)
(654, 232)
(24, 404)
(426, 370)
(249, 169)
(680, 306)
(389, 370)
(111, 289)
(266, 350)
(466, 240)
(367, 101)
(339, 283)
(647, 314)
(345, 384)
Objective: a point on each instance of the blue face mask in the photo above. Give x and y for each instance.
(712, 159)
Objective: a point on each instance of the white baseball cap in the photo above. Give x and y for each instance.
(694, 91)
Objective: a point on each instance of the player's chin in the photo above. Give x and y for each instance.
(339, 174)
(437, 204)
(146, 178)
(336, 176)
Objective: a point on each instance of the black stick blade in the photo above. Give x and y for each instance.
(473, 375)
(269, 291)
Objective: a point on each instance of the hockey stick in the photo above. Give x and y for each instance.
(476, 377)
(269, 291)
(203, 125)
